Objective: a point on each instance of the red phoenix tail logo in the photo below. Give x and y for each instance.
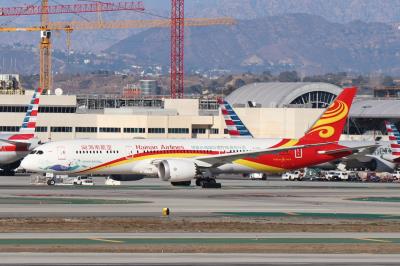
(324, 126)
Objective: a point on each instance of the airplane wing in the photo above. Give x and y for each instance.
(360, 150)
(220, 159)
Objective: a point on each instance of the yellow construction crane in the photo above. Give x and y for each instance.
(47, 27)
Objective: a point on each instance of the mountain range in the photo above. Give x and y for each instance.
(308, 43)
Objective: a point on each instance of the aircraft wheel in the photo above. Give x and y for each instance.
(182, 184)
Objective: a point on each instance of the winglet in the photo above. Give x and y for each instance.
(235, 126)
(29, 123)
(330, 124)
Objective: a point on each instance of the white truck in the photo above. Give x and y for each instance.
(294, 175)
(337, 176)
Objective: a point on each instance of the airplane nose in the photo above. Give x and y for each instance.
(26, 164)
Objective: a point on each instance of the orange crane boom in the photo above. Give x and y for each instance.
(120, 24)
(69, 26)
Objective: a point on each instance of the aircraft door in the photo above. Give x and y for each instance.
(61, 153)
(298, 153)
(129, 151)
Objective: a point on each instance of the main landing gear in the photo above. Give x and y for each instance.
(7, 172)
(207, 182)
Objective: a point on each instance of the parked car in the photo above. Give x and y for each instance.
(83, 180)
(258, 176)
(396, 175)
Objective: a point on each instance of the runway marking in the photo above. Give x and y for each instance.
(375, 240)
(106, 240)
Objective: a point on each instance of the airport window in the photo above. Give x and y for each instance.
(41, 129)
(57, 109)
(135, 130)
(110, 130)
(198, 130)
(214, 131)
(61, 129)
(226, 132)
(178, 130)
(86, 129)
(42, 109)
(9, 128)
(156, 130)
(13, 109)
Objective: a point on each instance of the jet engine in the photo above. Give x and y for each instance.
(380, 165)
(127, 177)
(177, 170)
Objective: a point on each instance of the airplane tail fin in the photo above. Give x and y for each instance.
(29, 124)
(330, 124)
(394, 138)
(235, 126)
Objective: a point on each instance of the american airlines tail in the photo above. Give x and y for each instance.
(235, 126)
(394, 138)
(330, 124)
(27, 129)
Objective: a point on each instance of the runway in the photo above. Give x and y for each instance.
(198, 259)
(255, 221)
(148, 196)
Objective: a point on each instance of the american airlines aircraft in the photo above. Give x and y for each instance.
(13, 147)
(180, 160)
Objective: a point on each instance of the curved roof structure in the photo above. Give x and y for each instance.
(375, 108)
(283, 94)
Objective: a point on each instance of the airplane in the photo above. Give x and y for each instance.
(394, 139)
(179, 161)
(13, 147)
(371, 157)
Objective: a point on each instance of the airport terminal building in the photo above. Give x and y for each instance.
(268, 110)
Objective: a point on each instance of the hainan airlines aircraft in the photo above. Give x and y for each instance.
(13, 147)
(180, 160)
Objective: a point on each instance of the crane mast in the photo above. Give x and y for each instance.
(177, 23)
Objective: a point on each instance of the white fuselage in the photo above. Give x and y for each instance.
(141, 156)
(118, 156)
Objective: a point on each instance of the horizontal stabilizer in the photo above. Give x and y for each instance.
(350, 149)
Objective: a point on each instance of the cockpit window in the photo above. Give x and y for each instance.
(33, 152)
(39, 152)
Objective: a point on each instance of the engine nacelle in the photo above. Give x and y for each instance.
(127, 177)
(177, 170)
(380, 165)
